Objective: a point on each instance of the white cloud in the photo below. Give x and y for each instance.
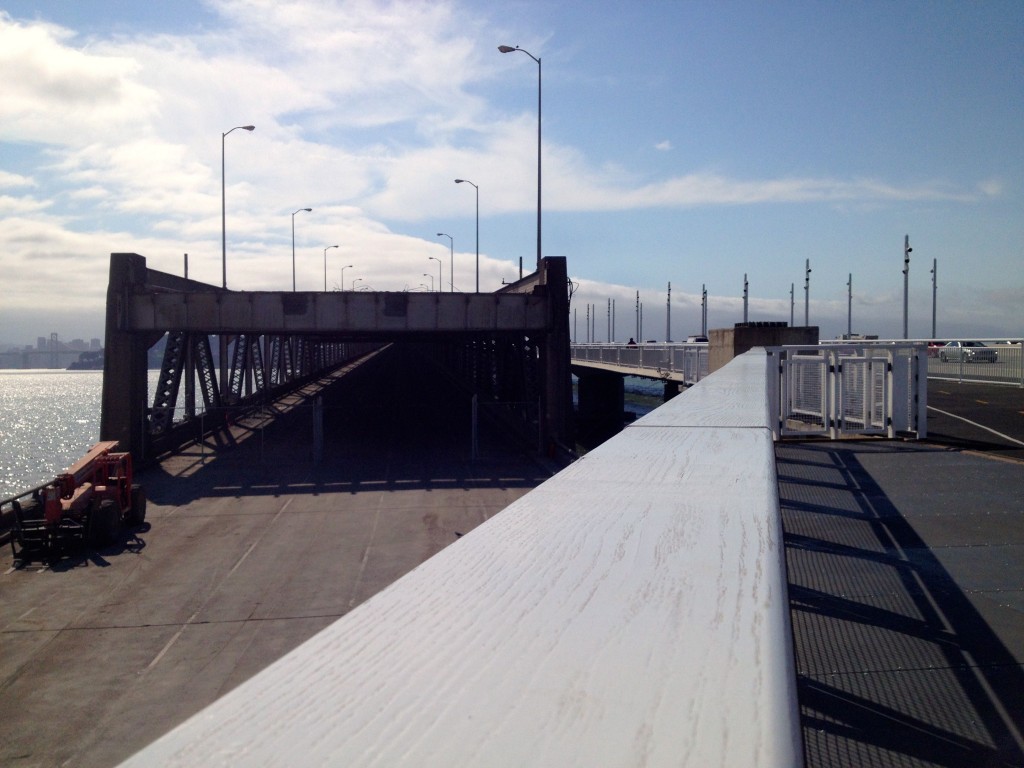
(10, 180)
(663, 146)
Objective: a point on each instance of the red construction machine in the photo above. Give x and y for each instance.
(87, 504)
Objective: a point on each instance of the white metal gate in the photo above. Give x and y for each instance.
(839, 391)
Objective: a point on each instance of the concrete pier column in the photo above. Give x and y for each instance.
(602, 403)
(557, 399)
(123, 409)
(672, 388)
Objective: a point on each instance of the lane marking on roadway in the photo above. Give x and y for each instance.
(981, 402)
(192, 618)
(259, 538)
(976, 424)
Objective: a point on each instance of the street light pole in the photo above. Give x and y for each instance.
(510, 49)
(325, 265)
(451, 257)
(427, 274)
(467, 181)
(440, 278)
(223, 206)
(293, 244)
(906, 281)
(347, 266)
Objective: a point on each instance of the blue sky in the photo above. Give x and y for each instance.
(683, 142)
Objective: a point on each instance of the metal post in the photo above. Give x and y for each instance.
(451, 260)
(668, 315)
(807, 293)
(935, 277)
(510, 49)
(293, 245)
(467, 181)
(703, 309)
(792, 303)
(637, 337)
(325, 265)
(906, 281)
(746, 295)
(849, 306)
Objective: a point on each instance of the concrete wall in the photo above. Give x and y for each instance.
(727, 343)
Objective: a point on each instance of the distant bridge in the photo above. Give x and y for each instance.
(236, 349)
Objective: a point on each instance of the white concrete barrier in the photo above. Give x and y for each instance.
(631, 611)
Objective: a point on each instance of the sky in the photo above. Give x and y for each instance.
(692, 143)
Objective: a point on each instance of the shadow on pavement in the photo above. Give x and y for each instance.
(896, 665)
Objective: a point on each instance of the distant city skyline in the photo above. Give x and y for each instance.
(696, 143)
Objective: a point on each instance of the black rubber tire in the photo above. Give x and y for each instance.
(104, 523)
(137, 514)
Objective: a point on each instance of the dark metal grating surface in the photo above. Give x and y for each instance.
(898, 658)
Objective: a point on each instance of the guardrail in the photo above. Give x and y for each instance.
(632, 610)
(843, 390)
(685, 363)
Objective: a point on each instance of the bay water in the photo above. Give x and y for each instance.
(49, 418)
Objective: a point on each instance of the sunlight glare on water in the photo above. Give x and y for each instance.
(48, 419)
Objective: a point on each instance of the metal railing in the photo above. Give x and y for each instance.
(686, 363)
(842, 390)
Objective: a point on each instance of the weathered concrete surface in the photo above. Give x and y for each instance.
(250, 551)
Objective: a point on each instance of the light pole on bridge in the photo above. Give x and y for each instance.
(293, 244)
(451, 257)
(467, 181)
(325, 265)
(510, 49)
(440, 278)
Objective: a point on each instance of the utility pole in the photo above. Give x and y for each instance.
(792, 303)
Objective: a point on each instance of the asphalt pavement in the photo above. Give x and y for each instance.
(250, 547)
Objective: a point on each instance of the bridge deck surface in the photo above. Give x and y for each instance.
(906, 571)
(250, 551)
(906, 579)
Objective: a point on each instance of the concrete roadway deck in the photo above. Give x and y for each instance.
(906, 571)
(249, 551)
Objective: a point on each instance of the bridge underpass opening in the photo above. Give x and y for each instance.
(419, 402)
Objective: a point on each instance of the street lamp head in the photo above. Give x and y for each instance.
(248, 127)
(459, 181)
(506, 48)
(307, 209)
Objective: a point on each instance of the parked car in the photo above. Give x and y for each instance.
(968, 352)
